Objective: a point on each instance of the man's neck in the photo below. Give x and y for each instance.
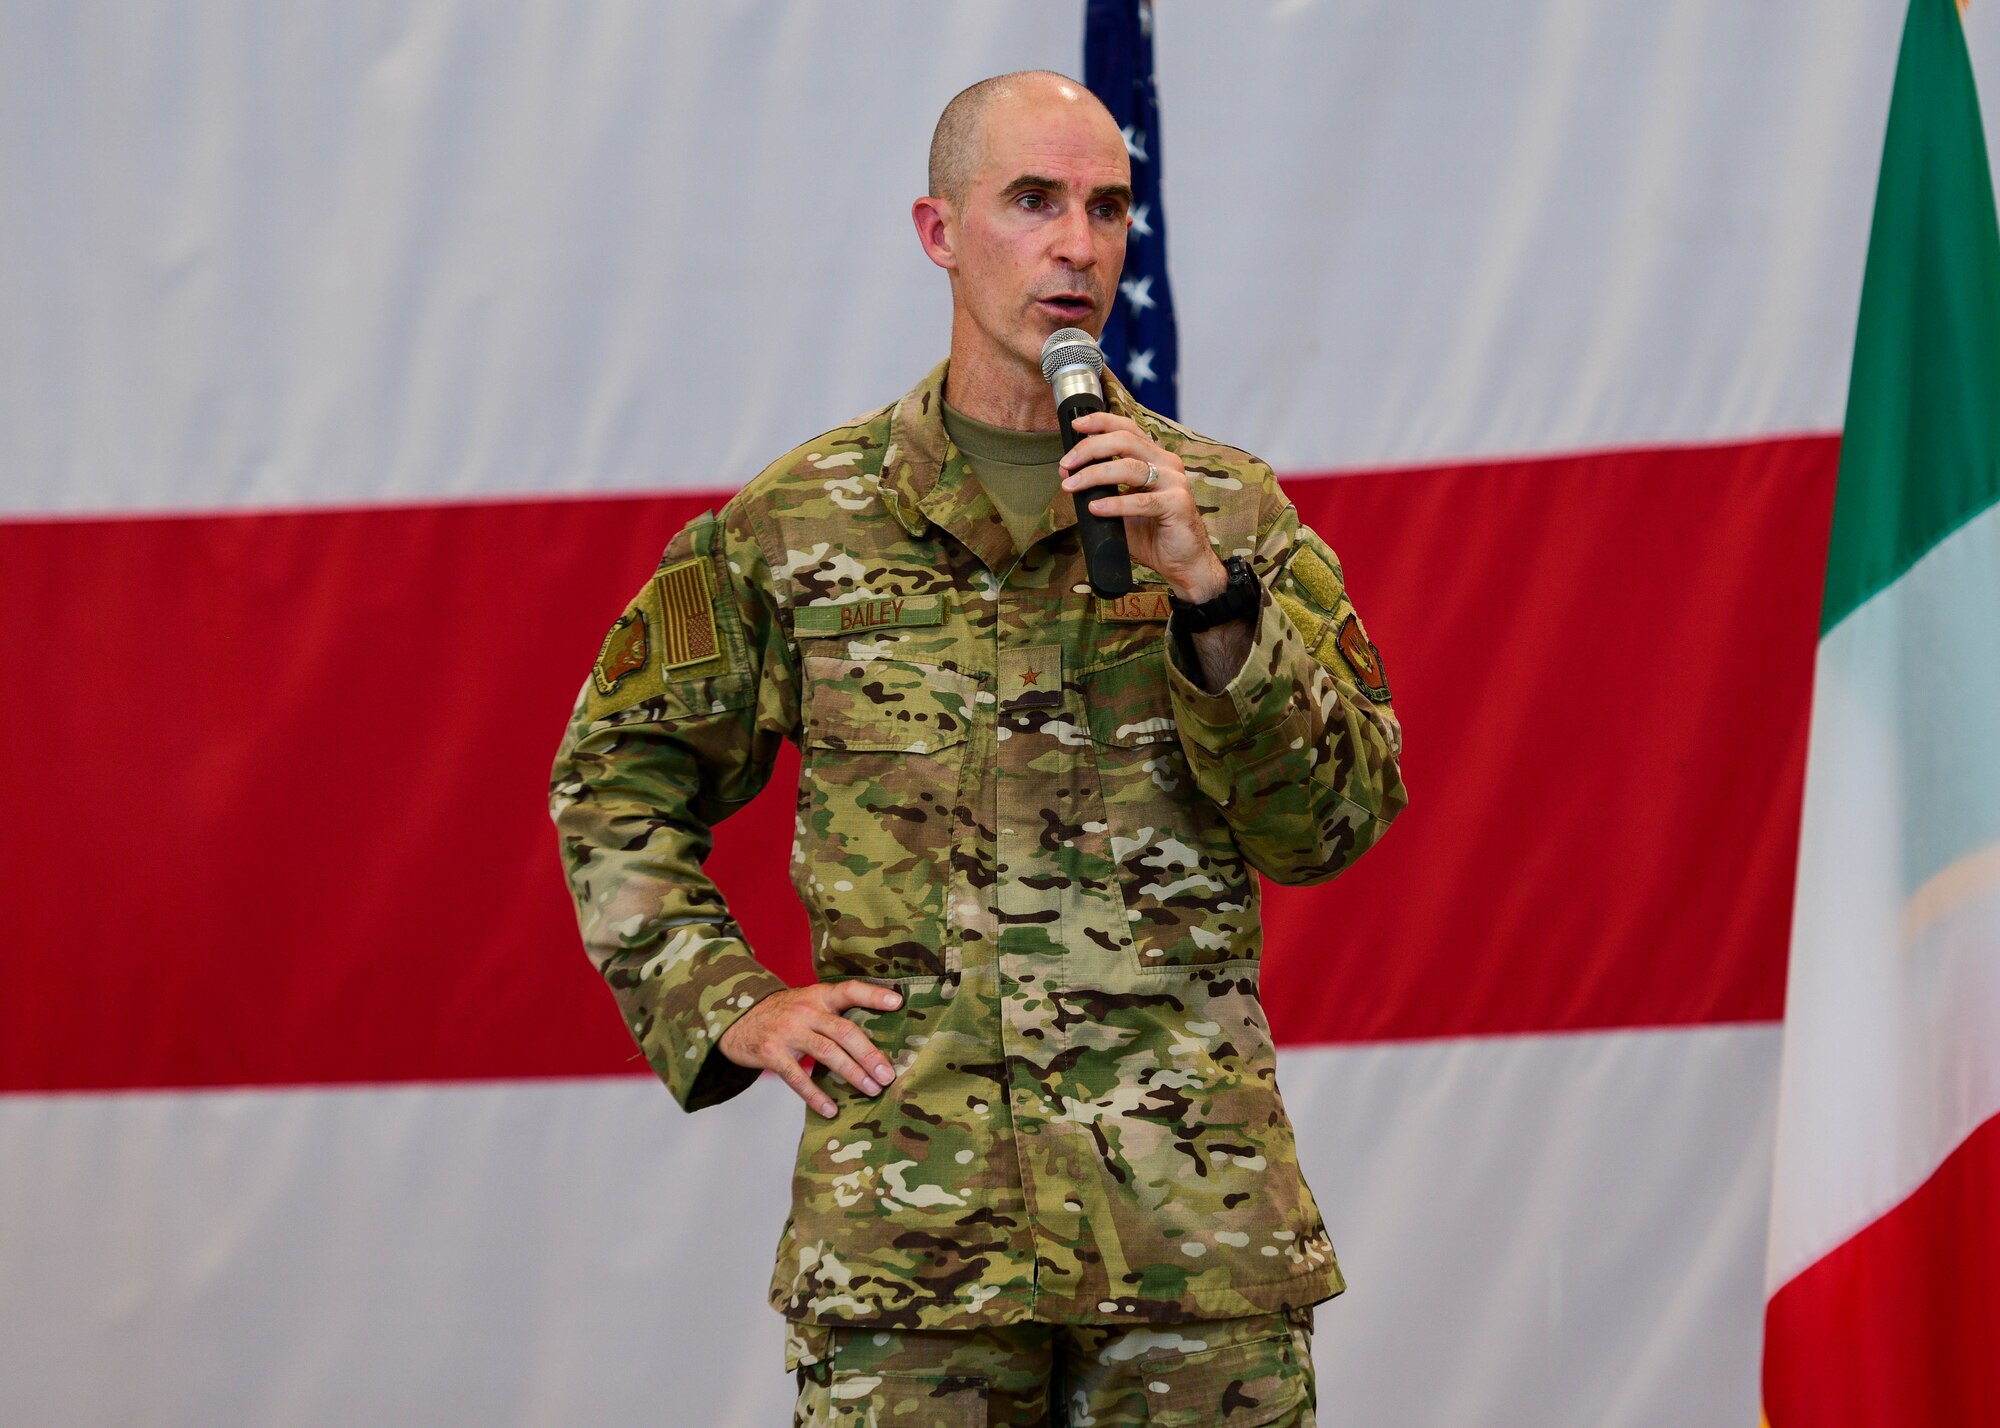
(990, 387)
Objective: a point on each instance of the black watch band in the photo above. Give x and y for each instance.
(1238, 600)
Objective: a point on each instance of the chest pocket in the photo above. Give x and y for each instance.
(1190, 899)
(884, 744)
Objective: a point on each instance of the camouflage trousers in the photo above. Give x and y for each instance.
(1215, 1373)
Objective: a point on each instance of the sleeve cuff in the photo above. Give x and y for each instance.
(686, 1049)
(1257, 697)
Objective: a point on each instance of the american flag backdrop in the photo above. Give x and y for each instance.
(1139, 339)
(358, 362)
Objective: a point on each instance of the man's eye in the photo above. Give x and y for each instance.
(1031, 200)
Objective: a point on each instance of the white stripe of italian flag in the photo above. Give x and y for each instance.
(1883, 1273)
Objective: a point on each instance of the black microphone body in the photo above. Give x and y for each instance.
(1078, 391)
(1104, 552)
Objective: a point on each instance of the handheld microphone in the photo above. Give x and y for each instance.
(1071, 361)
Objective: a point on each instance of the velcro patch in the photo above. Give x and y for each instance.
(868, 612)
(1134, 607)
(687, 614)
(1317, 578)
(1311, 624)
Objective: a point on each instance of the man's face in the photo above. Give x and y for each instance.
(1041, 228)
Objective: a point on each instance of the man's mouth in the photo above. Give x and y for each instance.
(1071, 307)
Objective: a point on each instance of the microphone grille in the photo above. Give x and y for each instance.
(1070, 347)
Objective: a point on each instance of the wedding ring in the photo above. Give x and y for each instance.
(1151, 476)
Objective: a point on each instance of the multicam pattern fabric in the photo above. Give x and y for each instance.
(1019, 810)
(1253, 1372)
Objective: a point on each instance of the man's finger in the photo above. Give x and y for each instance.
(828, 1052)
(1132, 503)
(1104, 421)
(794, 1075)
(856, 993)
(1103, 446)
(854, 1041)
(1127, 467)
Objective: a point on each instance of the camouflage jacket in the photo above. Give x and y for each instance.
(1017, 808)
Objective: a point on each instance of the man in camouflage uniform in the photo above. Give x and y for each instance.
(1048, 1171)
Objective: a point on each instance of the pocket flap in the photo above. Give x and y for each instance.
(921, 1400)
(890, 704)
(1243, 1385)
(1128, 703)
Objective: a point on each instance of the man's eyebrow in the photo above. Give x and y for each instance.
(1119, 191)
(1028, 181)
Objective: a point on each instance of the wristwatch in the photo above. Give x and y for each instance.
(1239, 600)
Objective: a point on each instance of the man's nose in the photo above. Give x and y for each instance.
(1072, 239)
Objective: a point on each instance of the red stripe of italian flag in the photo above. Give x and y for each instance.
(1884, 1260)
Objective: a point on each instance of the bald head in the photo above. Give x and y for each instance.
(956, 142)
(1030, 201)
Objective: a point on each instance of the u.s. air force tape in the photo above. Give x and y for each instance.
(1136, 607)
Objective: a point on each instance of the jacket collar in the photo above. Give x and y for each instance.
(926, 480)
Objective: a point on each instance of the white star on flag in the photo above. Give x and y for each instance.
(1139, 368)
(1138, 292)
(1141, 216)
(1135, 143)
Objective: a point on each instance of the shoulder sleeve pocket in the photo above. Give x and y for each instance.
(678, 649)
(1312, 591)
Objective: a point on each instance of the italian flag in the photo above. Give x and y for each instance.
(1883, 1271)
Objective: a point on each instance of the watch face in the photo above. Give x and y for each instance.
(1242, 584)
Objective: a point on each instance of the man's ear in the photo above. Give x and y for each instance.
(935, 223)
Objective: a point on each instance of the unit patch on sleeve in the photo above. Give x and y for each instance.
(623, 652)
(687, 614)
(1364, 659)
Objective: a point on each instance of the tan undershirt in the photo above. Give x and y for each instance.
(1017, 469)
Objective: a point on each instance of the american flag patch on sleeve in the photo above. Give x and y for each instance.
(687, 614)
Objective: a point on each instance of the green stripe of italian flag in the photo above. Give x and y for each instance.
(1883, 1270)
